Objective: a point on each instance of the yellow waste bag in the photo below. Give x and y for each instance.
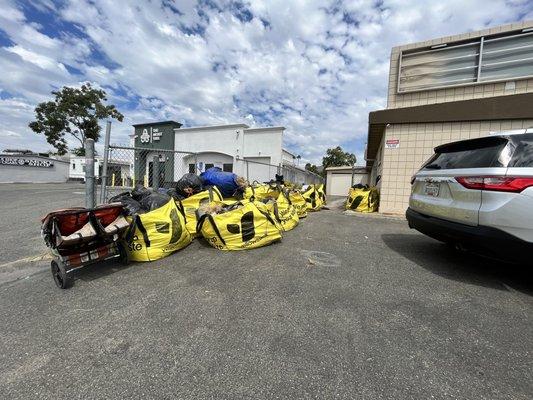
(365, 200)
(284, 212)
(313, 198)
(261, 191)
(192, 203)
(157, 233)
(298, 202)
(321, 192)
(242, 225)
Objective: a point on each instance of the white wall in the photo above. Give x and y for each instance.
(258, 169)
(229, 144)
(339, 182)
(287, 158)
(217, 159)
(18, 168)
(77, 168)
(264, 142)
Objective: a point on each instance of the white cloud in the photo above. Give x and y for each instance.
(317, 67)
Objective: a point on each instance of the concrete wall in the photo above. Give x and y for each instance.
(57, 173)
(396, 100)
(417, 142)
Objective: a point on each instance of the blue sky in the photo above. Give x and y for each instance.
(315, 67)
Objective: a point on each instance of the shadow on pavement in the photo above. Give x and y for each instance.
(99, 270)
(470, 268)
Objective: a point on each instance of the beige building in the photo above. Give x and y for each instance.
(443, 90)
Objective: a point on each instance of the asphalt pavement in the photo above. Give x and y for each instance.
(349, 307)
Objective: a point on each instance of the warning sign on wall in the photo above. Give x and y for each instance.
(392, 143)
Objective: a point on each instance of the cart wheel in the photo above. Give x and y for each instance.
(123, 253)
(62, 279)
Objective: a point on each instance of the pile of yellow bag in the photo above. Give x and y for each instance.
(158, 233)
(363, 199)
(260, 218)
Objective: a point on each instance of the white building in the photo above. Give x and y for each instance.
(120, 169)
(24, 166)
(340, 179)
(254, 153)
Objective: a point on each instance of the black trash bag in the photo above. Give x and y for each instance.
(360, 186)
(174, 194)
(140, 192)
(188, 185)
(131, 206)
(154, 200)
(279, 179)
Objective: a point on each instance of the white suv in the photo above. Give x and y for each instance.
(478, 194)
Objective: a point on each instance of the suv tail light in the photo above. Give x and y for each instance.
(497, 183)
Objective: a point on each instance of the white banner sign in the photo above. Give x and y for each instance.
(26, 162)
(392, 143)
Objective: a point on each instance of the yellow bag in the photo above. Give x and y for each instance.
(261, 192)
(313, 198)
(243, 225)
(298, 202)
(284, 212)
(365, 200)
(321, 192)
(157, 233)
(191, 205)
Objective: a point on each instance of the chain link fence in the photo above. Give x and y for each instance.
(297, 175)
(255, 171)
(154, 168)
(128, 167)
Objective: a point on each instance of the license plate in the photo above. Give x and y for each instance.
(432, 189)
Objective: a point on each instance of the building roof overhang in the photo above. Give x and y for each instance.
(507, 107)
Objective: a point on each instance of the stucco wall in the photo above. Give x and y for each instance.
(417, 142)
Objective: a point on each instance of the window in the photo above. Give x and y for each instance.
(192, 168)
(207, 166)
(523, 153)
(477, 153)
(227, 167)
(484, 60)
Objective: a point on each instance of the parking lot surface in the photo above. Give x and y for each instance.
(352, 307)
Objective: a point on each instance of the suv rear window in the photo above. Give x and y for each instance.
(523, 153)
(476, 153)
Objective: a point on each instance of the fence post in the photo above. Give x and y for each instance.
(155, 172)
(103, 193)
(90, 196)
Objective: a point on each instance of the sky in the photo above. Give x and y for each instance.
(315, 67)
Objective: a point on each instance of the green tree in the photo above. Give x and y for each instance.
(336, 157)
(74, 111)
(312, 168)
